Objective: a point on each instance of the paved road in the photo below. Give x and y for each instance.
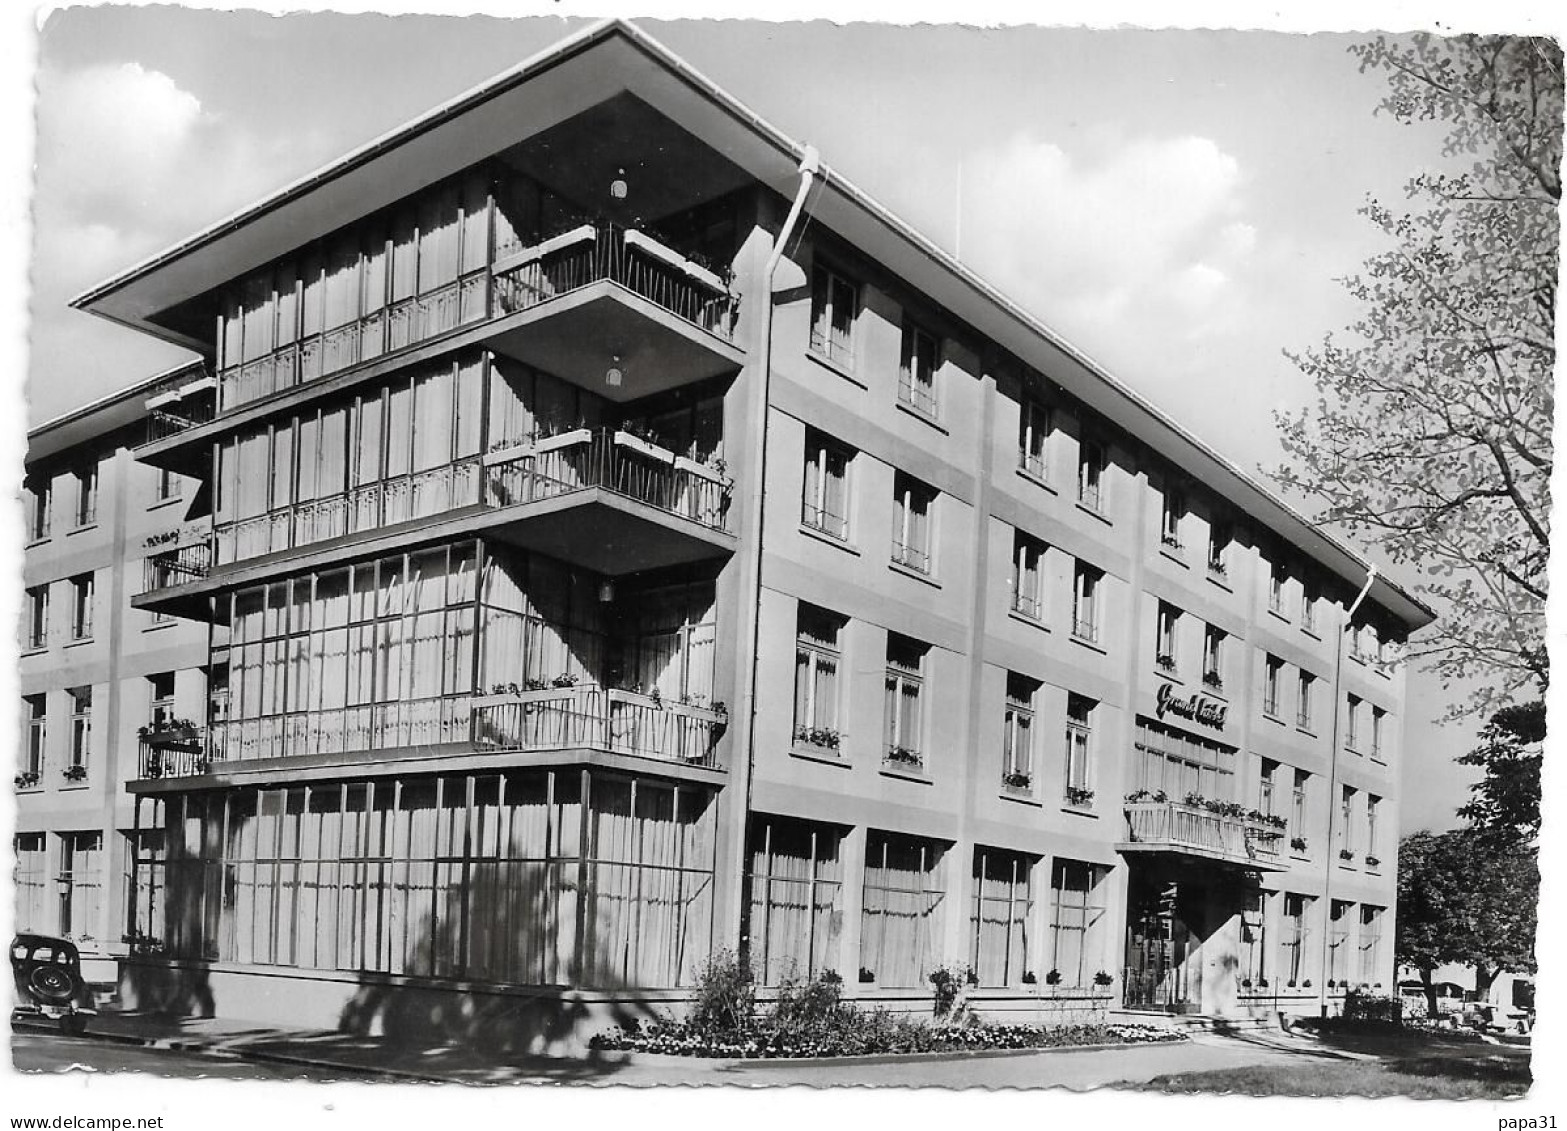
(31, 1052)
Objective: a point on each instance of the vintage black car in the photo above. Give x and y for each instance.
(48, 976)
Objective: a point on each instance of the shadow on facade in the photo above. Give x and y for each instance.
(538, 1013)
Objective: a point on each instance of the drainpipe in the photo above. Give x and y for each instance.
(810, 169)
(1331, 853)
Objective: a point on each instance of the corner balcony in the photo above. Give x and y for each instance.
(553, 725)
(1208, 831)
(609, 308)
(602, 719)
(607, 500)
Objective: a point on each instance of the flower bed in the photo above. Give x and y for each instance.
(856, 1033)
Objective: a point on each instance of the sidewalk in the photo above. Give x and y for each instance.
(337, 1054)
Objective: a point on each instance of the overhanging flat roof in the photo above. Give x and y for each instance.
(104, 415)
(613, 57)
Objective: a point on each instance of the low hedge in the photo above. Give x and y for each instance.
(856, 1033)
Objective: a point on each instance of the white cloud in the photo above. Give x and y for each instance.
(112, 138)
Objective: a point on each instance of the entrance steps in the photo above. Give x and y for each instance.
(1195, 1022)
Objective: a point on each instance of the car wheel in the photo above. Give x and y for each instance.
(1523, 1027)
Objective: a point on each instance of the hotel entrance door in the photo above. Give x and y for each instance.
(1163, 931)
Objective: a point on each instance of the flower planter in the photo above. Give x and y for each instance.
(699, 469)
(647, 448)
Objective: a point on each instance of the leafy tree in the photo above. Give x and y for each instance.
(1431, 432)
(1506, 802)
(1466, 898)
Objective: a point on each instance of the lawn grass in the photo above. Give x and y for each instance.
(1416, 1070)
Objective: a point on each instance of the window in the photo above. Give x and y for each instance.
(1028, 587)
(901, 714)
(168, 485)
(794, 909)
(81, 726)
(1254, 969)
(1267, 777)
(1346, 821)
(1363, 644)
(1339, 919)
(1079, 749)
(1352, 723)
(901, 925)
(1220, 535)
(917, 373)
(816, 659)
(1174, 510)
(1032, 439)
(81, 606)
(81, 883)
(1378, 727)
(161, 689)
(1370, 945)
(32, 881)
(825, 505)
(35, 709)
(1017, 734)
(1166, 631)
(38, 616)
(1303, 700)
(1276, 578)
(40, 498)
(1298, 807)
(1311, 594)
(1372, 803)
(1272, 671)
(87, 495)
(1295, 932)
(911, 506)
(835, 303)
(1213, 658)
(1077, 920)
(1085, 602)
(1003, 909)
(1090, 475)
(1179, 763)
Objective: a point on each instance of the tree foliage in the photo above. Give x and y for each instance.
(1506, 801)
(1467, 898)
(1431, 433)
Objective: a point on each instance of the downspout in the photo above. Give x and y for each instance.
(810, 169)
(1333, 746)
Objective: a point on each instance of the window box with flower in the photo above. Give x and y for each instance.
(77, 772)
(27, 779)
(1079, 797)
(1017, 781)
(904, 756)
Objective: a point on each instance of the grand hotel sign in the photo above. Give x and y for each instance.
(1194, 708)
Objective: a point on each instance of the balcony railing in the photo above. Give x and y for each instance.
(613, 461)
(586, 717)
(1179, 827)
(596, 718)
(177, 567)
(518, 279)
(179, 753)
(370, 507)
(601, 252)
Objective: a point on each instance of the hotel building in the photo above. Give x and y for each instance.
(615, 538)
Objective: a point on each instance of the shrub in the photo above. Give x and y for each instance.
(948, 983)
(805, 1007)
(724, 998)
(1360, 1006)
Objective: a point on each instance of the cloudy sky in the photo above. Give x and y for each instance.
(1178, 204)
